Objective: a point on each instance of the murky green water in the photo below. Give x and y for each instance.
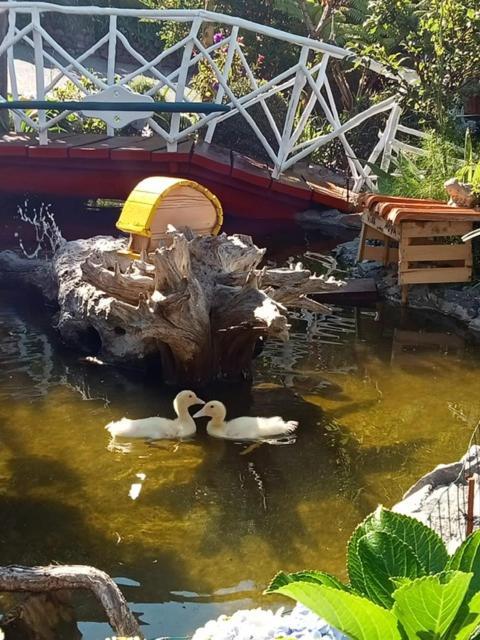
(214, 521)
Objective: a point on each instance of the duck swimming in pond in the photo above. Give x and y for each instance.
(245, 428)
(156, 428)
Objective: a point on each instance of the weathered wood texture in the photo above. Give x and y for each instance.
(61, 577)
(196, 303)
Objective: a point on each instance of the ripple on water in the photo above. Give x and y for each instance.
(198, 528)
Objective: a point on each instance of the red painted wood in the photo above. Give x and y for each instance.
(93, 166)
(182, 155)
(141, 149)
(212, 157)
(293, 187)
(57, 147)
(251, 171)
(15, 144)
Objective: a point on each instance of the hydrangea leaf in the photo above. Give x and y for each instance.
(467, 558)
(427, 607)
(424, 543)
(356, 617)
(318, 577)
(382, 556)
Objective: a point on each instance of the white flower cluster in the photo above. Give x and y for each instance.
(261, 624)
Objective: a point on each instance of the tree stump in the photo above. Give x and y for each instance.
(198, 304)
(66, 577)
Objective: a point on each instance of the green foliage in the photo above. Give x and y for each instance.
(403, 584)
(470, 171)
(436, 38)
(422, 176)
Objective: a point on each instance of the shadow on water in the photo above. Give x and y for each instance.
(213, 520)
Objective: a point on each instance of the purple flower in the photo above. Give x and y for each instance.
(218, 37)
(215, 86)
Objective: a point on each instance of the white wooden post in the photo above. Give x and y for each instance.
(181, 82)
(12, 19)
(39, 74)
(112, 49)
(300, 80)
(226, 71)
(390, 133)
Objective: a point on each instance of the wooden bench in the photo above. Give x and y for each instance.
(423, 237)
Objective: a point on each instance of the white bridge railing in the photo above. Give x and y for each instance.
(304, 86)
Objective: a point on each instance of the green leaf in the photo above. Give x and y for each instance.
(467, 558)
(427, 606)
(318, 577)
(425, 544)
(356, 617)
(465, 626)
(383, 555)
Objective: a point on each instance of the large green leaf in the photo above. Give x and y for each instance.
(467, 558)
(466, 624)
(356, 617)
(427, 607)
(383, 556)
(426, 545)
(318, 577)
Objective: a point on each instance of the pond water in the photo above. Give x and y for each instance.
(381, 395)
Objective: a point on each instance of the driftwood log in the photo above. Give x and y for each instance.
(199, 304)
(67, 577)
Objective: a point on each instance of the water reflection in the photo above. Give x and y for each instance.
(199, 527)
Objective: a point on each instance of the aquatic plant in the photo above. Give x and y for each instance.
(403, 584)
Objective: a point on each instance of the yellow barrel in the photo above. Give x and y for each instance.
(157, 202)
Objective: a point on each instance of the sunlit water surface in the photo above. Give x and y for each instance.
(213, 521)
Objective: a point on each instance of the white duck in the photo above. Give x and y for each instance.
(245, 428)
(156, 428)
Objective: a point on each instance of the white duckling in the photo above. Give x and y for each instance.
(245, 428)
(156, 428)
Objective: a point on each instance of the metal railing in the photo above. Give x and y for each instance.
(304, 85)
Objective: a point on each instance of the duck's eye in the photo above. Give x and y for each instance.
(212, 406)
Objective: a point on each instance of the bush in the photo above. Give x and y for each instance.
(403, 584)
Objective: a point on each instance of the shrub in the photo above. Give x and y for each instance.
(403, 584)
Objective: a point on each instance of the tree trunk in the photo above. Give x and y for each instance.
(61, 577)
(197, 303)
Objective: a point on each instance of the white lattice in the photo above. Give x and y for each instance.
(304, 86)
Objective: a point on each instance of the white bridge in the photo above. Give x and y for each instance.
(304, 86)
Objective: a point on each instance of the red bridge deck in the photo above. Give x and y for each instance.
(98, 166)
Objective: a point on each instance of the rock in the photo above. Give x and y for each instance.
(331, 221)
(438, 499)
(461, 194)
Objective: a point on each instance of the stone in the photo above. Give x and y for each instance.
(461, 194)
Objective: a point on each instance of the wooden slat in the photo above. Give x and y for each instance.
(439, 275)
(102, 148)
(432, 252)
(435, 228)
(16, 144)
(373, 234)
(181, 155)
(137, 148)
(212, 157)
(381, 225)
(373, 253)
(292, 186)
(251, 171)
